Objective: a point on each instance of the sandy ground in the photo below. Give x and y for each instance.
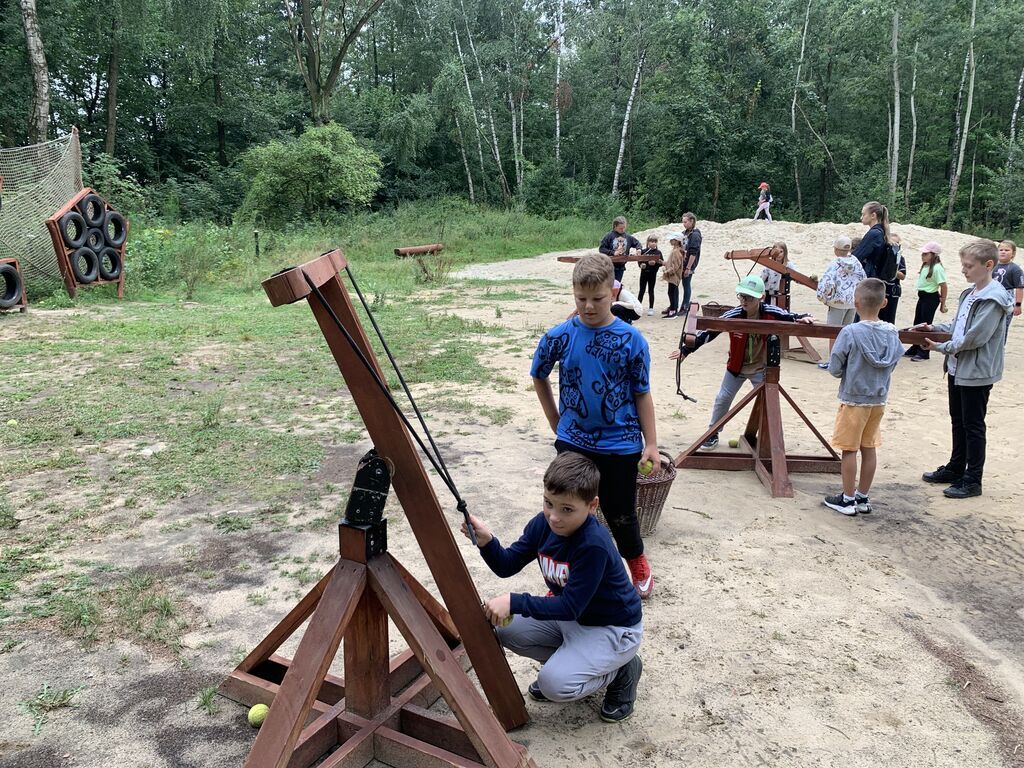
(780, 633)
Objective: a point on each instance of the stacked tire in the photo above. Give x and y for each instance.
(95, 237)
(12, 289)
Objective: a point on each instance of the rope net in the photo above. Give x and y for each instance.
(38, 180)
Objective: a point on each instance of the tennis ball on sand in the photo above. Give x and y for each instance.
(258, 714)
(645, 467)
(12, 422)
(734, 442)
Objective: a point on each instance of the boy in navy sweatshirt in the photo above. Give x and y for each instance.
(587, 630)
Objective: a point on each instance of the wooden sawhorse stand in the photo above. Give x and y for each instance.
(379, 710)
(761, 256)
(763, 439)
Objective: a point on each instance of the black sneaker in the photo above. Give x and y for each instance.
(621, 693)
(841, 504)
(943, 475)
(962, 491)
(535, 692)
(710, 444)
(863, 504)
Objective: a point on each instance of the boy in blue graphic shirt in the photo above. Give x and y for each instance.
(605, 410)
(587, 631)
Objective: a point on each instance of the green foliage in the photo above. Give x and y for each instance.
(324, 169)
(46, 701)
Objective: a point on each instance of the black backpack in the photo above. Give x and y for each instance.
(888, 264)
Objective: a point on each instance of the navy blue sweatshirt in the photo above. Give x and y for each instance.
(607, 246)
(584, 571)
(871, 249)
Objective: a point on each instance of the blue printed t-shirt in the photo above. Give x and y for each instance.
(600, 370)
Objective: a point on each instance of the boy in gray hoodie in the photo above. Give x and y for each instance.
(974, 362)
(863, 357)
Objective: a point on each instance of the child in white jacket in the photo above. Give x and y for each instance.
(836, 287)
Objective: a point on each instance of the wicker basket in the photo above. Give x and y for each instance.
(714, 309)
(651, 492)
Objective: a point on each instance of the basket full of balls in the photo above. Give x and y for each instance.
(652, 487)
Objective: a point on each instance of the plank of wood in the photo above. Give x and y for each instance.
(289, 285)
(491, 742)
(413, 250)
(354, 753)
(277, 737)
(762, 256)
(367, 689)
(395, 748)
(811, 330)
(441, 731)
(437, 612)
(615, 259)
(422, 508)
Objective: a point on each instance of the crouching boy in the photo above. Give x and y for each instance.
(587, 630)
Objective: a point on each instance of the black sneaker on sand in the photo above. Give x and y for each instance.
(962, 491)
(943, 475)
(621, 693)
(535, 692)
(863, 504)
(710, 444)
(841, 504)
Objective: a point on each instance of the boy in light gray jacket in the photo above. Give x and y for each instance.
(974, 362)
(863, 357)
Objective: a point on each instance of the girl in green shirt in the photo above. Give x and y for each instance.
(931, 293)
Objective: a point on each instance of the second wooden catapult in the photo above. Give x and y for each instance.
(381, 708)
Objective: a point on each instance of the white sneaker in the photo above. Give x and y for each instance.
(650, 312)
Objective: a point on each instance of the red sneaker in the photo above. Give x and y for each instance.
(643, 579)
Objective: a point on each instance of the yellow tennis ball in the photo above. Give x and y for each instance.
(734, 442)
(12, 422)
(645, 467)
(258, 714)
(506, 621)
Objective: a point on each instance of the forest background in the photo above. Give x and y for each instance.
(272, 113)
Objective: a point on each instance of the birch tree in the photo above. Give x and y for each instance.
(1013, 120)
(894, 163)
(792, 114)
(39, 118)
(954, 181)
(559, 37)
(913, 128)
(625, 122)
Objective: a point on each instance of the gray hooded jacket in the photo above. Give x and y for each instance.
(864, 357)
(979, 354)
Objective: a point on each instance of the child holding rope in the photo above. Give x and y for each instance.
(605, 410)
(586, 632)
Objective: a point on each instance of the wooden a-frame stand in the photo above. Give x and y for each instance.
(763, 440)
(379, 710)
(789, 276)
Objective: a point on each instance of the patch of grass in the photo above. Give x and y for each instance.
(46, 701)
(207, 700)
(8, 522)
(232, 523)
(500, 416)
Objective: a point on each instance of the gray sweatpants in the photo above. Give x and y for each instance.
(578, 660)
(727, 393)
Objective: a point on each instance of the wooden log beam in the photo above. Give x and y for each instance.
(615, 259)
(416, 250)
(762, 257)
(812, 330)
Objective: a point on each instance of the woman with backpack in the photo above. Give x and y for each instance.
(874, 249)
(764, 201)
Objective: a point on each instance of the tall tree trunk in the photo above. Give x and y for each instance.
(958, 115)
(954, 181)
(472, 109)
(113, 74)
(1013, 121)
(970, 199)
(218, 102)
(559, 32)
(39, 120)
(894, 164)
(792, 115)
(376, 64)
(913, 129)
(465, 160)
(625, 123)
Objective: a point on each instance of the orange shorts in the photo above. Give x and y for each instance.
(857, 427)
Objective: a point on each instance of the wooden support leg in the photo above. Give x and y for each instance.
(776, 448)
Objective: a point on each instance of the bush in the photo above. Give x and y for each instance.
(324, 169)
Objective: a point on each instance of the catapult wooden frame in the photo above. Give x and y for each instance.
(763, 441)
(380, 709)
(763, 257)
(64, 253)
(23, 304)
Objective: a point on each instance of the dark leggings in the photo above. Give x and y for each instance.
(673, 296)
(648, 279)
(617, 494)
(967, 409)
(927, 303)
(888, 312)
(685, 306)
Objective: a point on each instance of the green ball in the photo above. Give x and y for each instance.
(258, 714)
(734, 442)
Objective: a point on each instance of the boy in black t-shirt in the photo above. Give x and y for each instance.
(1010, 276)
(619, 242)
(649, 271)
(588, 628)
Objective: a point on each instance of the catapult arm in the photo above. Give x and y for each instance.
(761, 256)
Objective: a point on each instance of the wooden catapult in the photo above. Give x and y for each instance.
(762, 440)
(763, 257)
(380, 709)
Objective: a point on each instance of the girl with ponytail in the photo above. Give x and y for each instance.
(871, 250)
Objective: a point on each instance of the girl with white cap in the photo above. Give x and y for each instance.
(931, 293)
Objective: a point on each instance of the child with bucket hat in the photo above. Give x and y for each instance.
(748, 352)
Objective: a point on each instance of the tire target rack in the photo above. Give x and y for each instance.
(12, 286)
(89, 237)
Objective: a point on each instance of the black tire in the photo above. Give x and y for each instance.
(115, 229)
(93, 210)
(72, 220)
(87, 272)
(113, 257)
(94, 239)
(10, 280)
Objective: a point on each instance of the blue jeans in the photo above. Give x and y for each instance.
(727, 392)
